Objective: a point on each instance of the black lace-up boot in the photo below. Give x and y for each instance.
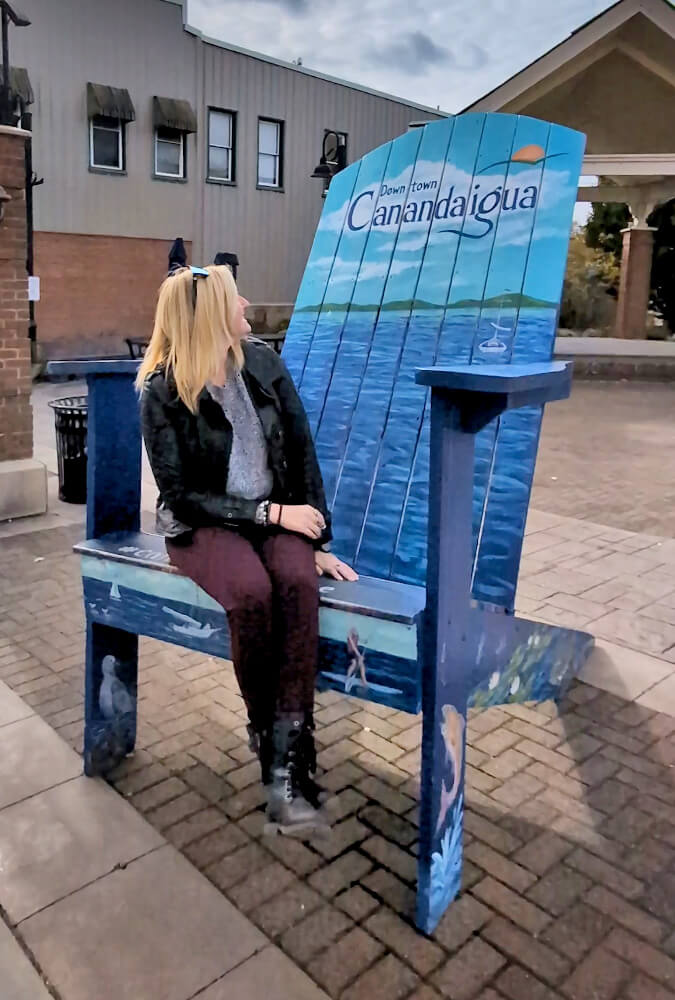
(306, 765)
(288, 811)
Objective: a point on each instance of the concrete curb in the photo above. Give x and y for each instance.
(622, 369)
(611, 359)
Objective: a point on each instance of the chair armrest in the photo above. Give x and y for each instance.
(481, 392)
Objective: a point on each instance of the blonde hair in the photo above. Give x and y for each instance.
(190, 343)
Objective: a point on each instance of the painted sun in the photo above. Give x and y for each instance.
(529, 154)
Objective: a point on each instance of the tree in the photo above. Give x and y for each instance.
(603, 229)
(663, 263)
(591, 275)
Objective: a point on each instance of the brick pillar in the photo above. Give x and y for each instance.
(22, 480)
(16, 415)
(636, 266)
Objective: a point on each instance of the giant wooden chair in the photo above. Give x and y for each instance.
(421, 344)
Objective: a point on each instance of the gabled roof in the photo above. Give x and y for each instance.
(659, 12)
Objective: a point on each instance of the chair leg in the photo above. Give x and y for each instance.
(110, 697)
(441, 808)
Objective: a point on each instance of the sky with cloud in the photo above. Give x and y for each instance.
(443, 53)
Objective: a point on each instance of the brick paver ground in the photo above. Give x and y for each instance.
(570, 827)
(606, 455)
(569, 889)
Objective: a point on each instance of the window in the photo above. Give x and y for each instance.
(222, 135)
(169, 152)
(270, 153)
(109, 109)
(106, 143)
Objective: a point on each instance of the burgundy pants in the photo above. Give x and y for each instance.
(268, 586)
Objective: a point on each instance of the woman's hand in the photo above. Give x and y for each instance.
(329, 565)
(300, 519)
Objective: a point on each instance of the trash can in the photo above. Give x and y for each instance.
(70, 416)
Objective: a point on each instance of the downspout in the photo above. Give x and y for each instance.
(198, 246)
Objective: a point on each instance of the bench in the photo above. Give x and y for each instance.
(421, 344)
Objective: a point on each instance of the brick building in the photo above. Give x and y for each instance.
(23, 481)
(145, 130)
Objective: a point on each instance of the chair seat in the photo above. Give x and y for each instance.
(369, 629)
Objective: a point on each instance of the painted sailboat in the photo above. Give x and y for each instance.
(495, 344)
(115, 592)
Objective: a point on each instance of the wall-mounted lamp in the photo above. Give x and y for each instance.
(333, 159)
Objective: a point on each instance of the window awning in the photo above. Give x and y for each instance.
(19, 85)
(111, 102)
(170, 113)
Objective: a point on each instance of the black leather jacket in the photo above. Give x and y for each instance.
(189, 453)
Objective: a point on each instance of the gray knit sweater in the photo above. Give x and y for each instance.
(249, 475)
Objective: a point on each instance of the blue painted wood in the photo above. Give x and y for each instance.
(101, 366)
(470, 655)
(482, 260)
(113, 504)
(374, 622)
(114, 477)
(497, 557)
(371, 629)
(390, 276)
(361, 653)
(382, 266)
(382, 599)
(445, 664)
(355, 249)
(110, 695)
(477, 243)
(513, 660)
(497, 379)
(312, 289)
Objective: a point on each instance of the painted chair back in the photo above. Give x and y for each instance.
(445, 246)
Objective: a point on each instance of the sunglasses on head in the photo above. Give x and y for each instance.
(197, 272)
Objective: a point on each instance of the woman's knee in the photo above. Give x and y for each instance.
(298, 579)
(290, 561)
(251, 590)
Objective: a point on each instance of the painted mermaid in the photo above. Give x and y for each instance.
(356, 661)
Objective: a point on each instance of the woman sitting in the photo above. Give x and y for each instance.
(242, 505)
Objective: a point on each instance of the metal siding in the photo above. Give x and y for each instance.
(137, 45)
(141, 45)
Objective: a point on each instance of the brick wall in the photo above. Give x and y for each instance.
(96, 290)
(16, 416)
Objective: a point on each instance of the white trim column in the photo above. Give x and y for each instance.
(636, 267)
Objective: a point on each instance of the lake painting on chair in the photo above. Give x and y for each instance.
(444, 246)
